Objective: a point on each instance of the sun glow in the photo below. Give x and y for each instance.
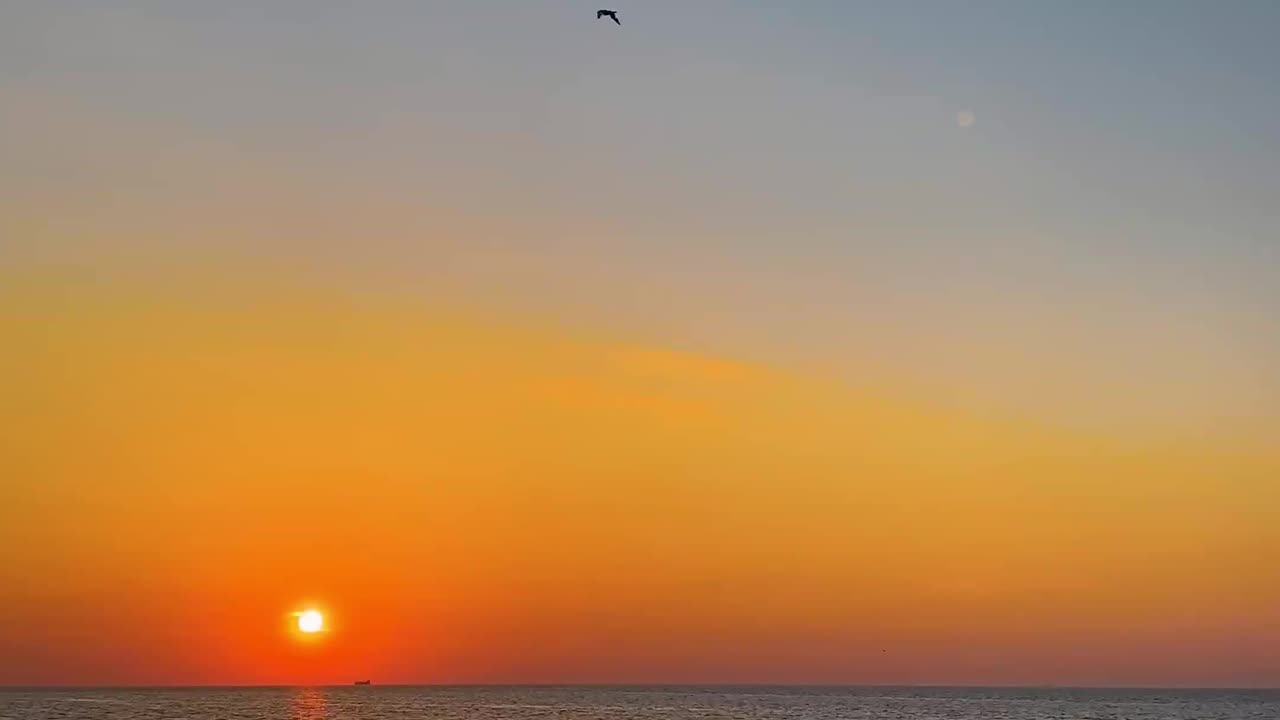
(310, 621)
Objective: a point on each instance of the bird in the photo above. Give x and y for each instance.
(608, 14)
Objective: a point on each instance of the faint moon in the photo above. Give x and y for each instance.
(965, 118)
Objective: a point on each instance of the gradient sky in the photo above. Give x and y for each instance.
(748, 342)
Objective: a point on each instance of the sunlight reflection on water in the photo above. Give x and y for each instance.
(308, 704)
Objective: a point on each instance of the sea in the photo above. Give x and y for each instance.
(635, 703)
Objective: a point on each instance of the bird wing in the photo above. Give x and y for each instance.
(615, 19)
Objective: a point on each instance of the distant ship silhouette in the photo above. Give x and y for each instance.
(363, 682)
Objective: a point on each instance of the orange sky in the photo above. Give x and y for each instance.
(883, 342)
(492, 497)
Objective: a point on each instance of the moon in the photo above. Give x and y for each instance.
(310, 621)
(965, 118)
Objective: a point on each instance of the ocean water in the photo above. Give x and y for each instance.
(636, 703)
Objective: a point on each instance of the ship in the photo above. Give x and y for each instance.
(363, 682)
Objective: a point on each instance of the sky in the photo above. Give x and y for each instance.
(847, 342)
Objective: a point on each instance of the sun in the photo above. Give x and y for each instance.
(310, 621)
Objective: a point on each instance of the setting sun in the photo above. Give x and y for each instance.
(310, 621)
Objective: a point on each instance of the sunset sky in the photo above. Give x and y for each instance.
(825, 342)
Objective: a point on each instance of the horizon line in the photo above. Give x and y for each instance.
(648, 685)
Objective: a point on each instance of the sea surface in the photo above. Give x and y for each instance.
(636, 703)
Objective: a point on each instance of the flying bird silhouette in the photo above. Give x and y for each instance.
(608, 14)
